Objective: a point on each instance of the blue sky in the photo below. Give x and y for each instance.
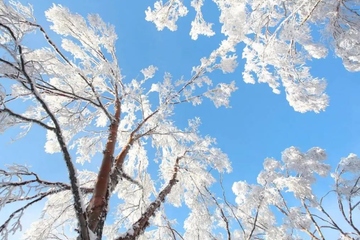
(259, 124)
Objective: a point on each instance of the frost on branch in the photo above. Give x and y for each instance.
(149, 72)
(258, 206)
(90, 112)
(347, 179)
(166, 15)
(280, 38)
(20, 185)
(233, 19)
(94, 35)
(199, 26)
(16, 14)
(221, 94)
(58, 215)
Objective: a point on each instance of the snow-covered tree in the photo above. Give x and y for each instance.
(74, 90)
(280, 38)
(77, 93)
(283, 205)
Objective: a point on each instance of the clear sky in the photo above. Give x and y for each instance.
(259, 124)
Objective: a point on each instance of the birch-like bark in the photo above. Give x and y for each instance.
(140, 225)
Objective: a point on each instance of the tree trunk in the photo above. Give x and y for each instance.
(99, 201)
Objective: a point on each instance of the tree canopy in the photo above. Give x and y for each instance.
(70, 87)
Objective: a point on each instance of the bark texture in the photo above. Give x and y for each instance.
(99, 200)
(140, 225)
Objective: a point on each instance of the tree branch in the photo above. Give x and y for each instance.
(226, 221)
(140, 225)
(17, 224)
(18, 116)
(71, 168)
(313, 220)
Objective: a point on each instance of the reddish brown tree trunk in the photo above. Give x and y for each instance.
(99, 199)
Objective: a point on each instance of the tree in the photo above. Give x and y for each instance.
(76, 92)
(87, 105)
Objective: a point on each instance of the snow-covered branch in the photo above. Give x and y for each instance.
(307, 213)
(19, 184)
(279, 38)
